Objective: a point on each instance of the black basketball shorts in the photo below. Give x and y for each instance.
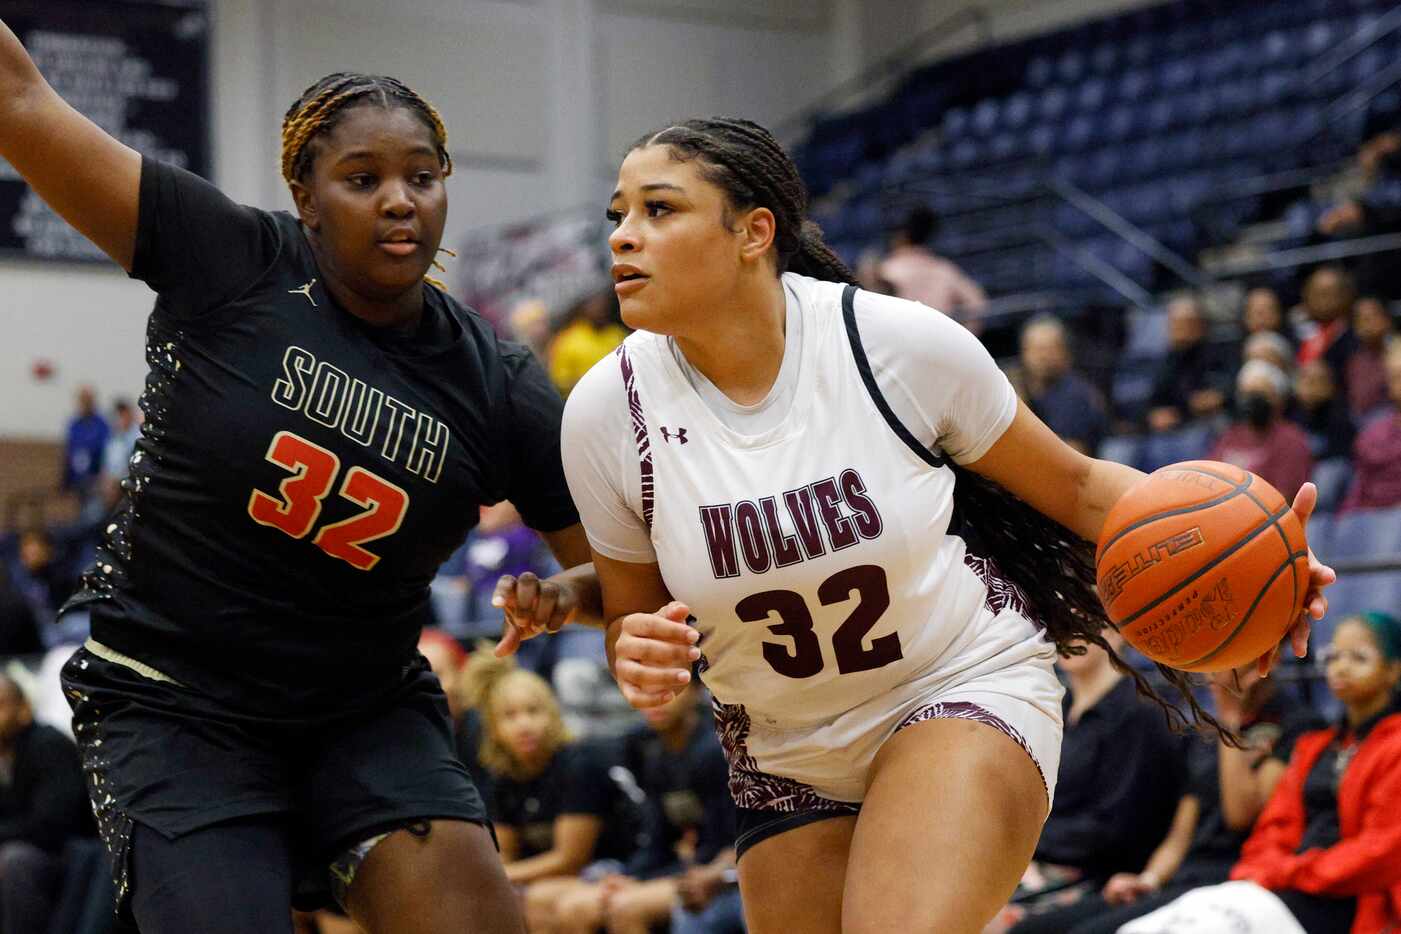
(158, 754)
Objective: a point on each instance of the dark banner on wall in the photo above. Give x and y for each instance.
(139, 70)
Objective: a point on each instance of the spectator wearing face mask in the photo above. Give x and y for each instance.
(1260, 440)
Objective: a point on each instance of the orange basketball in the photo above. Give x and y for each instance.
(1202, 566)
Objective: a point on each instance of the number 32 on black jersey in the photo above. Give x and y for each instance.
(298, 504)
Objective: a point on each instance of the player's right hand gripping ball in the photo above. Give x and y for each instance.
(1202, 566)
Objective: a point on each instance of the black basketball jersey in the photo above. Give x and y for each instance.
(301, 475)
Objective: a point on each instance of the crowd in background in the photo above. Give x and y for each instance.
(608, 820)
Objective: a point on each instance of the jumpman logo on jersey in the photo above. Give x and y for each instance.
(305, 290)
(679, 435)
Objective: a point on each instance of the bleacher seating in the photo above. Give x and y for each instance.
(1149, 111)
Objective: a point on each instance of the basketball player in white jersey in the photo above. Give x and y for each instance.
(773, 456)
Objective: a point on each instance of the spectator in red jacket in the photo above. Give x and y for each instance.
(1329, 841)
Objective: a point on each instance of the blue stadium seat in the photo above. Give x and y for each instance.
(1070, 67)
(1104, 58)
(985, 116)
(1016, 112)
(1171, 447)
(1052, 103)
(1367, 533)
(1134, 86)
(1122, 449)
(1040, 71)
(1358, 592)
(1092, 94)
(1332, 477)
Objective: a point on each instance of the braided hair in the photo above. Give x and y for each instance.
(1049, 563)
(320, 107)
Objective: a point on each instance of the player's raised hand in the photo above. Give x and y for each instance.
(1320, 576)
(653, 653)
(532, 606)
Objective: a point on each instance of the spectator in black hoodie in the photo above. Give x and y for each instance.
(43, 804)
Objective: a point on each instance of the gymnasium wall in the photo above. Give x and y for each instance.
(539, 96)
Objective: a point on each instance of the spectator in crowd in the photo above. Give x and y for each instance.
(1260, 439)
(1374, 329)
(83, 446)
(1376, 455)
(690, 835)
(1376, 209)
(1195, 377)
(19, 627)
(1329, 294)
(529, 322)
(1122, 773)
(560, 808)
(43, 804)
(915, 272)
(1321, 411)
(592, 330)
(1227, 787)
(41, 578)
(1271, 348)
(1263, 313)
(125, 428)
(1328, 842)
(1061, 397)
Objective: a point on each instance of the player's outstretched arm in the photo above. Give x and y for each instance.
(91, 180)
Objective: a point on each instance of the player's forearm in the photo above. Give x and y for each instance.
(588, 594)
(19, 76)
(1100, 487)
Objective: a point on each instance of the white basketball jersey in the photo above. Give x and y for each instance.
(815, 556)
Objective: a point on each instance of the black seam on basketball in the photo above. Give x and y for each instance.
(1221, 647)
(1207, 567)
(1236, 489)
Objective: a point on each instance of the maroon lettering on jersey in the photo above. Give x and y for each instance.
(866, 519)
(799, 503)
(839, 530)
(751, 537)
(720, 540)
(785, 547)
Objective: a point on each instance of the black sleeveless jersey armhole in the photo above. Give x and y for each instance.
(931, 457)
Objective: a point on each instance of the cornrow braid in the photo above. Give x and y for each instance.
(320, 107)
(1052, 565)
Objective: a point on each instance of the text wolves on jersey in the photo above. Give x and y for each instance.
(328, 396)
(754, 529)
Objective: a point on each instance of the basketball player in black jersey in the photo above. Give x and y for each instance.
(256, 723)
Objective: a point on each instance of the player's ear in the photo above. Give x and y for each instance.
(757, 230)
(306, 206)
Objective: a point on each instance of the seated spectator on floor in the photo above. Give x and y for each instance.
(1227, 787)
(1328, 297)
(1263, 313)
(1194, 379)
(41, 578)
(1122, 773)
(19, 627)
(1376, 454)
(690, 835)
(43, 804)
(1374, 329)
(1260, 439)
(592, 330)
(1325, 853)
(1067, 402)
(917, 273)
(561, 809)
(1321, 412)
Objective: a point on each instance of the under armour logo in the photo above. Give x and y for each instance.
(679, 435)
(305, 290)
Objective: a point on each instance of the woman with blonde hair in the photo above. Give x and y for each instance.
(560, 807)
